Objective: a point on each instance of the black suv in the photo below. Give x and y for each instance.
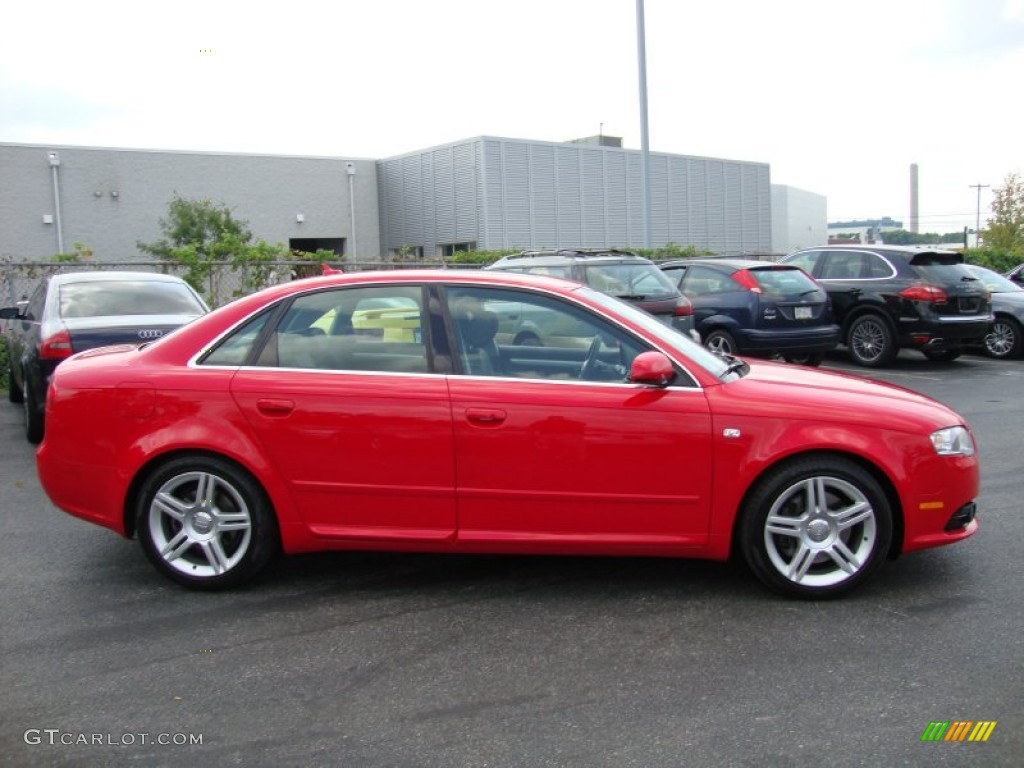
(887, 297)
(622, 274)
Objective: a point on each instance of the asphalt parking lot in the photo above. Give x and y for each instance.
(403, 660)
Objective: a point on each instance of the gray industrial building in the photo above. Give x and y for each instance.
(492, 193)
(485, 193)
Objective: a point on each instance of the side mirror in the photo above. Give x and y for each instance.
(652, 369)
(10, 313)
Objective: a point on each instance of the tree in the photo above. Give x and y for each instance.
(1005, 230)
(200, 233)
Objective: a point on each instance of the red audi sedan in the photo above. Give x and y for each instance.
(393, 411)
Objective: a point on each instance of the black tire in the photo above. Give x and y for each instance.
(871, 341)
(1004, 339)
(34, 423)
(813, 360)
(823, 553)
(941, 355)
(13, 390)
(721, 343)
(205, 523)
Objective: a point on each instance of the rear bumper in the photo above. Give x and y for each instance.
(943, 332)
(789, 341)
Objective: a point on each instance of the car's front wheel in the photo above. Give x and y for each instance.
(205, 523)
(816, 528)
(1004, 338)
(871, 342)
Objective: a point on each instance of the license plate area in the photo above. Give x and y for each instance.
(803, 313)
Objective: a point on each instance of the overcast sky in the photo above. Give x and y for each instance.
(838, 97)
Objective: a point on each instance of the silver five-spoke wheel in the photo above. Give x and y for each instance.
(817, 527)
(820, 531)
(204, 522)
(200, 524)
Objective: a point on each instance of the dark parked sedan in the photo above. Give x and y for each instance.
(748, 307)
(1005, 337)
(73, 311)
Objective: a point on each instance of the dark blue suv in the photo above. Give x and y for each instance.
(757, 308)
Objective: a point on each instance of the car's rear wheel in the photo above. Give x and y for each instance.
(205, 523)
(816, 528)
(941, 355)
(13, 390)
(871, 342)
(1004, 338)
(34, 425)
(721, 343)
(813, 359)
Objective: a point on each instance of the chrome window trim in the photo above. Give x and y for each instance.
(695, 385)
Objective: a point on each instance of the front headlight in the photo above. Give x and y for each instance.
(953, 441)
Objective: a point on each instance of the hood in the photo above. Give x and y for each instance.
(774, 389)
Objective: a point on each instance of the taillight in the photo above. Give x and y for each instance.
(683, 308)
(930, 293)
(56, 346)
(745, 278)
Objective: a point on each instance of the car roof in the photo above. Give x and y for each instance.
(731, 263)
(571, 254)
(908, 250)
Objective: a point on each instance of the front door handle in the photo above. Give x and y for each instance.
(271, 407)
(486, 417)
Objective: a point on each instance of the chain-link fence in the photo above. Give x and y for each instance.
(223, 282)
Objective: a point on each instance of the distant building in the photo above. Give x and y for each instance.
(799, 219)
(482, 193)
(862, 231)
(493, 193)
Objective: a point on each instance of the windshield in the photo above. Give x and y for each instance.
(994, 281)
(694, 352)
(784, 282)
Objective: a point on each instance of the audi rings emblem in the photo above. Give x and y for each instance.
(150, 334)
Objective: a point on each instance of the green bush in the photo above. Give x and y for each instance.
(995, 259)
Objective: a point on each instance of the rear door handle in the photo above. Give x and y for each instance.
(486, 416)
(271, 407)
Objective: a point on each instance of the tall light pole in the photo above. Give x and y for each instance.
(645, 149)
(977, 215)
(350, 169)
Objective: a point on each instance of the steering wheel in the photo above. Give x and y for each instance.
(591, 360)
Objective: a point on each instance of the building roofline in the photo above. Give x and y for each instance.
(90, 148)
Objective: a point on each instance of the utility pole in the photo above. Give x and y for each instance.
(977, 215)
(645, 149)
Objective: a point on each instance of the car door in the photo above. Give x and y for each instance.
(840, 271)
(555, 450)
(345, 404)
